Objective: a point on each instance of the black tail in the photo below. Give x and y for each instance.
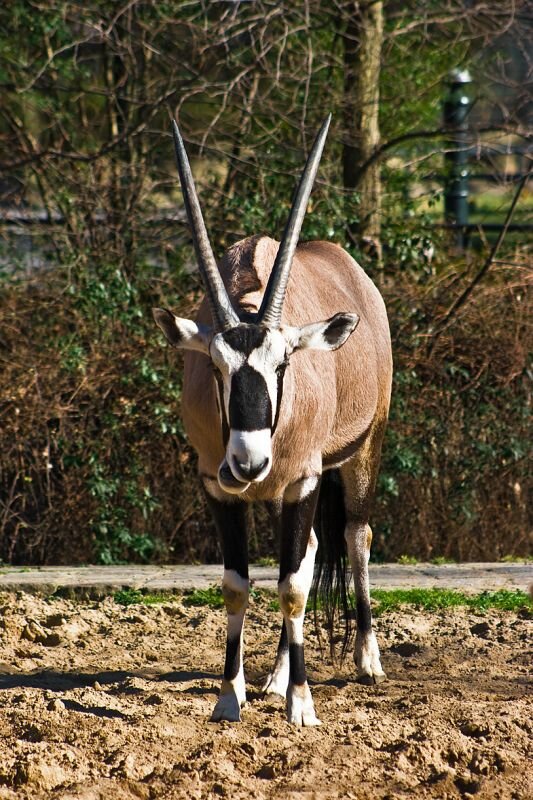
(330, 583)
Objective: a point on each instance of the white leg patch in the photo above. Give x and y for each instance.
(278, 680)
(294, 591)
(299, 490)
(300, 708)
(235, 591)
(367, 659)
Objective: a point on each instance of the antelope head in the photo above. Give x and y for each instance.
(249, 358)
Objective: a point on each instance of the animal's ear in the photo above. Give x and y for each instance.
(181, 332)
(328, 335)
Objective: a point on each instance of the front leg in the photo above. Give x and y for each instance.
(298, 550)
(230, 520)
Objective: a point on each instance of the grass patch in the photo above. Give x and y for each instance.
(407, 560)
(437, 599)
(384, 599)
(511, 559)
(267, 561)
(211, 597)
(129, 597)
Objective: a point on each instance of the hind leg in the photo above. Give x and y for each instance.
(367, 660)
(277, 681)
(358, 478)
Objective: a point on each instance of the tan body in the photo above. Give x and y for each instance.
(331, 401)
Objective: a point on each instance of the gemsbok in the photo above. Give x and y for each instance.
(291, 412)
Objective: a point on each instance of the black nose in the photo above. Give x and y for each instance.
(251, 471)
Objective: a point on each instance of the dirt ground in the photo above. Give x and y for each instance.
(103, 701)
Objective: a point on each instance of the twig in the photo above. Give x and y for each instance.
(461, 300)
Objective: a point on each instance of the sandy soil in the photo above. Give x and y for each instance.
(100, 701)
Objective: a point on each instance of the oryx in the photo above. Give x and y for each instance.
(272, 401)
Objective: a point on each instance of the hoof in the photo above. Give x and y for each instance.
(227, 708)
(367, 661)
(371, 680)
(276, 683)
(304, 720)
(300, 708)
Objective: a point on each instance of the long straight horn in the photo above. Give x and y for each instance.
(271, 307)
(222, 311)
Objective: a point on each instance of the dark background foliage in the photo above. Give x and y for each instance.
(94, 464)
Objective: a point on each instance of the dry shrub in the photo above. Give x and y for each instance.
(94, 464)
(455, 475)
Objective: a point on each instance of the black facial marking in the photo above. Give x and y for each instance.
(245, 338)
(222, 407)
(250, 408)
(280, 374)
(297, 664)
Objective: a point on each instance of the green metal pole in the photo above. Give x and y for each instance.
(456, 107)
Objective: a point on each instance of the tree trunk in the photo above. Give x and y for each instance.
(363, 37)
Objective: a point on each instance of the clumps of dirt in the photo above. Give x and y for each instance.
(102, 701)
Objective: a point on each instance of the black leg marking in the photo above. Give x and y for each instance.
(232, 662)
(283, 644)
(364, 615)
(296, 524)
(230, 522)
(298, 674)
